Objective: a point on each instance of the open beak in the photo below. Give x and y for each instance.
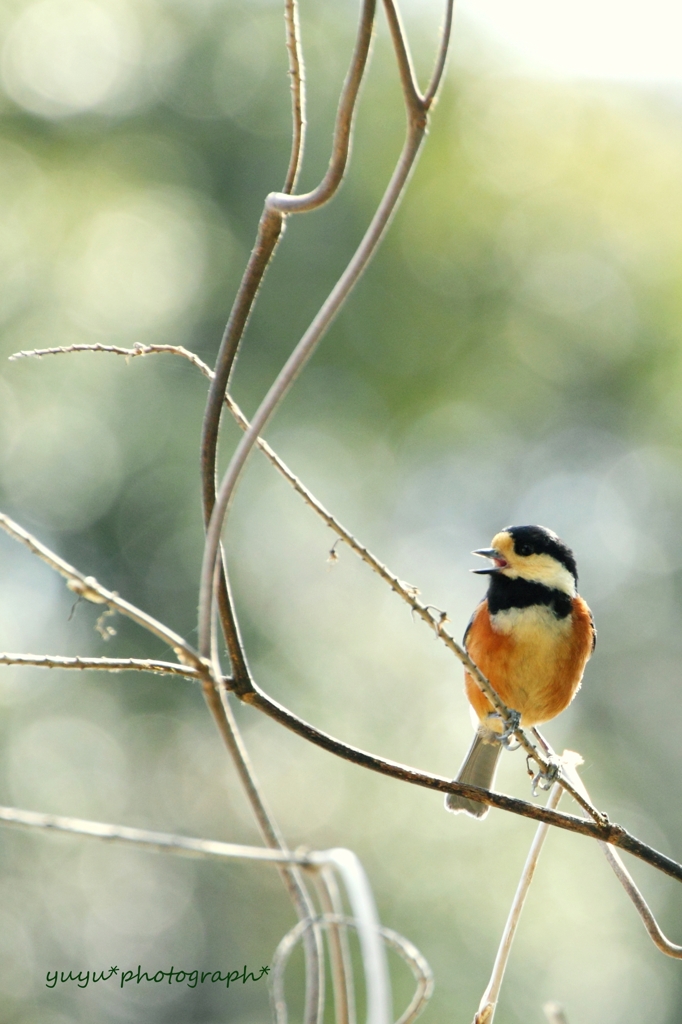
(495, 556)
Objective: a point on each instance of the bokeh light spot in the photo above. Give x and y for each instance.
(64, 57)
(138, 264)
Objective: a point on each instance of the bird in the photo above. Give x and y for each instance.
(531, 637)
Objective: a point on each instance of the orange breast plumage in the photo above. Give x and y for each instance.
(533, 659)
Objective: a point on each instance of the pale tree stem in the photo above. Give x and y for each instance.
(488, 1004)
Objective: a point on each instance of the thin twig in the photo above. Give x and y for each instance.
(414, 101)
(602, 830)
(488, 1004)
(130, 353)
(291, 369)
(218, 703)
(364, 911)
(270, 230)
(343, 128)
(339, 951)
(626, 880)
(88, 588)
(402, 946)
(420, 969)
(103, 664)
(446, 31)
(544, 755)
(297, 78)
(642, 907)
(162, 842)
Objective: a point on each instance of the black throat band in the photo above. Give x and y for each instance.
(505, 593)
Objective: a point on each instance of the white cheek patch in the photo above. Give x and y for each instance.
(543, 569)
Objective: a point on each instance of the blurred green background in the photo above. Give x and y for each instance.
(512, 356)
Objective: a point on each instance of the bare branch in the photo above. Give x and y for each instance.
(488, 1004)
(130, 353)
(339, 950)
(605, 831)
(420, 969)
(217, 700)
(329, 185)
(643, 909)
(545, 756)
(628, 883)
(290, 371)
(436, 78)
(601, 830)
(402, 946)
(163, 842)
(88, 588)
(269, 232)
(103, 664)
(364, 910)
(297, 77)
(413, 99)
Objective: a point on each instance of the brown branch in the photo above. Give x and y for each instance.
(603, 830)
(269, 232)
(403, 590)
(343, 127)
(300, 355)
(610, 833)
(88, 588)
(297, 77)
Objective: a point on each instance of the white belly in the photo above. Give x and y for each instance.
(536, 624)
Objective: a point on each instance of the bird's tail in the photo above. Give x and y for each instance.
(478, 769)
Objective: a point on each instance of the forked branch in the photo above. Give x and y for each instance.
(601, 830)
(89, 589)
(269, 232)
(542, 754)
(417, 111)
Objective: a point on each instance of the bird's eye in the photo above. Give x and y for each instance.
(524, 549)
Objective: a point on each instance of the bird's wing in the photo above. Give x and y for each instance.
(471, 621)
(594, 632)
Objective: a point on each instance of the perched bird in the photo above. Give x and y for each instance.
(531, 637)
